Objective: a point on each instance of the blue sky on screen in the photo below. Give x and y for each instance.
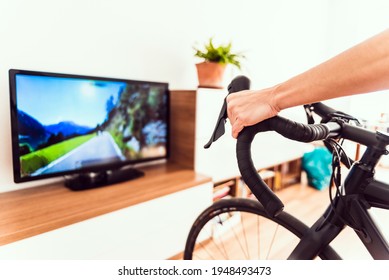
(51, 100)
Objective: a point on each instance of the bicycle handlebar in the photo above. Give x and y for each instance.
(287, 128)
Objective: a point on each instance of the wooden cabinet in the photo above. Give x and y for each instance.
(148, 218)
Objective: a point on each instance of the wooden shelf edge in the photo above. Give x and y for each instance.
(29, 212)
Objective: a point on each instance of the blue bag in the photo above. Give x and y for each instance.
(317, 165)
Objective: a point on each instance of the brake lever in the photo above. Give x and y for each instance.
(237, 84)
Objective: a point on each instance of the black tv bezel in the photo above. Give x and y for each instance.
(96, 169)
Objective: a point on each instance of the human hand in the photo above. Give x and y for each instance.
(248, 107)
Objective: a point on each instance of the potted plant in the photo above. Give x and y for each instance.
(215, 59)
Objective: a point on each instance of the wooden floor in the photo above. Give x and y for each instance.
(308, 204)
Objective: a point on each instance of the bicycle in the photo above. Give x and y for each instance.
(348, 207)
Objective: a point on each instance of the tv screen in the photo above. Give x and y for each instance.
(67, 124)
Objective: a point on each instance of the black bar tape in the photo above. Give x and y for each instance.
(258, 187)
(287, 128)
(298, 131)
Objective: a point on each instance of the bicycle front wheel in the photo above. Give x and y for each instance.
(239, 228)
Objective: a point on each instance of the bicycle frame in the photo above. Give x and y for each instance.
(361, 191)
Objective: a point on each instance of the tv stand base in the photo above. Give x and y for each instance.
(86, 181)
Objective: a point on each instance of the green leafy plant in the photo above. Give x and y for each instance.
(220, 54)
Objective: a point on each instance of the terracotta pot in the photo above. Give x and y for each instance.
(210, 74)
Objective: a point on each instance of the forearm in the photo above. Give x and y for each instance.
(363, 68)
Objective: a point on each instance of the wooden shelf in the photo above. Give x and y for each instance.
(277, 177)
(28, 212)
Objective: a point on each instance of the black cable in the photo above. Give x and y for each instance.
(336, 178)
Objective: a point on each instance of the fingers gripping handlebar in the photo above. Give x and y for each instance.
(290, 129)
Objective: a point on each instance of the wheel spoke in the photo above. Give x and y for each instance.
(230, 229)
(272, 242)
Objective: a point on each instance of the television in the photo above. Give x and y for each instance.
(93, 131)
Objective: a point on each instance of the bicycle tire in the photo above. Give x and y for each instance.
(205, 232)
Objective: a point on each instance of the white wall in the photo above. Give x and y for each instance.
(350, 22)
(153, 40)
